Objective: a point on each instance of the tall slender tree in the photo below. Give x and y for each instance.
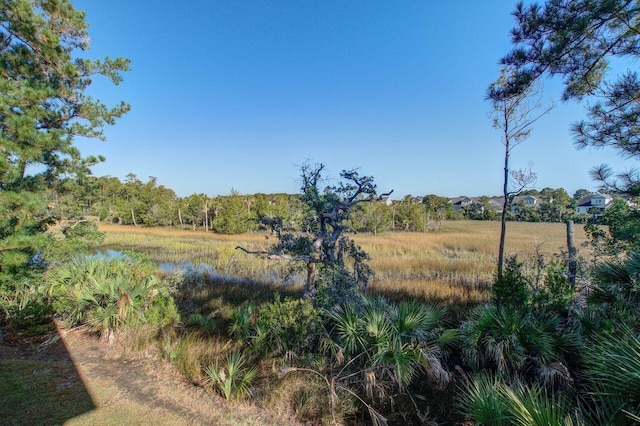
(577, 40)
(513, 116)
(43, 107)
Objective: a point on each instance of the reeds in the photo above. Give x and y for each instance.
(454, 266)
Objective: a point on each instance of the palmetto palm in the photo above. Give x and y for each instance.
(488, 400)
(388, 341)
(505, 340)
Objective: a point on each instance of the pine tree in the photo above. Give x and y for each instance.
(43, 107)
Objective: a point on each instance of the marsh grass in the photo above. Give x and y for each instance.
(454, 266)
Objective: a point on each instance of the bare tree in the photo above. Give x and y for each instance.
(513, 115)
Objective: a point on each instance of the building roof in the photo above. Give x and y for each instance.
(587, 200)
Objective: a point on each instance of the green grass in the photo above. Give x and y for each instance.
(41, 393)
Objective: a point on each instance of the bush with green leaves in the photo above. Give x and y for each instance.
(336, 286)
(512, 288)
(615, 295)
(386, 343)
(488, 400)
(507, 340)
(107, 294)
(556, 294)
(612, 368)
(281, 326)
(231, 375)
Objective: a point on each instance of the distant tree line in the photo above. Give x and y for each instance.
(135, 202)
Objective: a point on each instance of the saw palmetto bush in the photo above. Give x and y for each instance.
(612, 364)
(231, 375)
(107, 294)
(615, 295)
(489, 400)
(506, 340)
(389, 344)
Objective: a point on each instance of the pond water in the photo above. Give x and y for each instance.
(201, 271)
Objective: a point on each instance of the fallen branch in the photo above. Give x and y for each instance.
(277, 256)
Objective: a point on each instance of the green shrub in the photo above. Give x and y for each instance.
(107, 294)
(511, 290)
(556, 294)
(336, 286)
(32, 319)
(487, 400)
(231, 376)
(504, 340)
(286, 325)
(613, 369)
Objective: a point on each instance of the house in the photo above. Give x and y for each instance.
(497, 203)
(530, 201)
(459, 203)
(594, 203)
(386, 200)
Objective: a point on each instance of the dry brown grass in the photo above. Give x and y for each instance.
(453, 266)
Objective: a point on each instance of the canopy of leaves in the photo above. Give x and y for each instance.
(577, 40)
(43, 106)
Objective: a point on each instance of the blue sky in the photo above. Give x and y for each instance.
(237, 94)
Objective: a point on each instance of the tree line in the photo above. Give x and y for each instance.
(136, 202)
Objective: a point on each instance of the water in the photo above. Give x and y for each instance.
(201, 271)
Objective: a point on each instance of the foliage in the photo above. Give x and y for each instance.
(507, 341)
(231, 376)
(388, 343)
(612, 364)
(577, 40)
(289, 325)
(372, 217)
(556, 294)
(487, 400)
(328, 210)
(511, 289)
(616, 293)
(107, 294)
(44, 106)
(624, 225)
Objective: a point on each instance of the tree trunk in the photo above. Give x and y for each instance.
(505, 205)
(206, 217)
(180, 219)
(310, 286)
(133, 217)
(573, 255)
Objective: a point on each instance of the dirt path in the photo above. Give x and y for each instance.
(130, 389)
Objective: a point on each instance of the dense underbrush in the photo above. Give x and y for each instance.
(540, 352)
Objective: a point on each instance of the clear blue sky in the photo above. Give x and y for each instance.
(237, 94)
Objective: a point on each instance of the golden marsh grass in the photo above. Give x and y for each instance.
(454, 266)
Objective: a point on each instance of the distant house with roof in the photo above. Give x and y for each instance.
(385, 199)
(595, 203)
(530, 201)
(497, 203)
(459, 203)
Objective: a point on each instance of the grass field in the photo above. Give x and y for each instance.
(454, 266)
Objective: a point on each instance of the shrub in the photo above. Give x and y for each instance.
(511, 290)
(556, 294)
(286, 325)
(613, 369)
(231, 376)
(489, 401)
(107, 294)
(506, 340)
